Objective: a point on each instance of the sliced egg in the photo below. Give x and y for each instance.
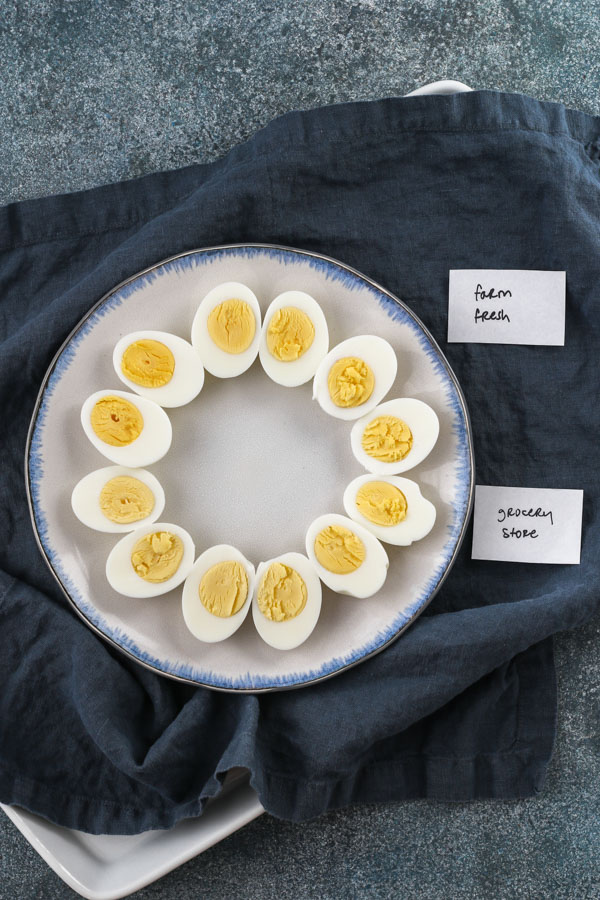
(159, 366)
(392, 508)
(294, 338)
(151, 560)
(395, 436)
(355, 376)
(118, 499)
(347, 557)
(287, 600)
(217, 593)
(226, 329)
(127, 429)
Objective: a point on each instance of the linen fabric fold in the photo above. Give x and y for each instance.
(463, 705)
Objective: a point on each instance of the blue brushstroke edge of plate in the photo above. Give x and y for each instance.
(461, 506)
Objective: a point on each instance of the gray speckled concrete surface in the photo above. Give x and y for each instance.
(95, 92)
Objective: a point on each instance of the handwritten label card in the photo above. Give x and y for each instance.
(534, 525)
(506, 306)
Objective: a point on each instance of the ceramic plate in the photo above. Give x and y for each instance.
(251, 464)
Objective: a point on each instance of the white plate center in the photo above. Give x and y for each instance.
(266, 462)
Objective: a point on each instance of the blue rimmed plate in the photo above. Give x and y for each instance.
(251, 464)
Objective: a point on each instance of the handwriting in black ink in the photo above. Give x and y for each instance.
(493, 315)
(492, 294)
(511, 513)
(487, 315)
(519, 532)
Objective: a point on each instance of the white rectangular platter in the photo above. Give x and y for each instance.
(106, 867)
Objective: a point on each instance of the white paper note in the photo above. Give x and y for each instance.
(506, 306)
(534, 525)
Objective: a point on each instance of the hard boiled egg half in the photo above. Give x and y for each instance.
(355, 376)
(127, 429)
(294, 339)
(347, 557)
(159, 366)
(217, 593)
(391, 507)
(151, 560)
(226, 329)
(118, 499)
(395, 437)
(287, 600)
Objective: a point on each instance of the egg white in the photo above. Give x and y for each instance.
(203, 625)
(216, 361)
(188, 376)
(423, 423)
(420, 513)
(298, 371)
(364, 581)
(153, 441)
(289, 635)
(123, 578)
(377, 353)
(85, 499)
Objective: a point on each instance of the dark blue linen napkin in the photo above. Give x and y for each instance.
(464, 704)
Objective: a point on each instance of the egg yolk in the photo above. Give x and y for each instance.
(381, 503)
(350, 382)
(224, 588)
(125, 499)
(339, 550)
(232, 325)
(116, 421)
(290, 334)
(387, 439)
(156, 557)
(282, 593)
(148, 363)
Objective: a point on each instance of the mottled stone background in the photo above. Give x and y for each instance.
(93, 92)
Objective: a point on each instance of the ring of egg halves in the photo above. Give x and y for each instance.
(349, 382)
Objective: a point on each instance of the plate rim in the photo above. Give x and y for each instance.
(442, 359)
